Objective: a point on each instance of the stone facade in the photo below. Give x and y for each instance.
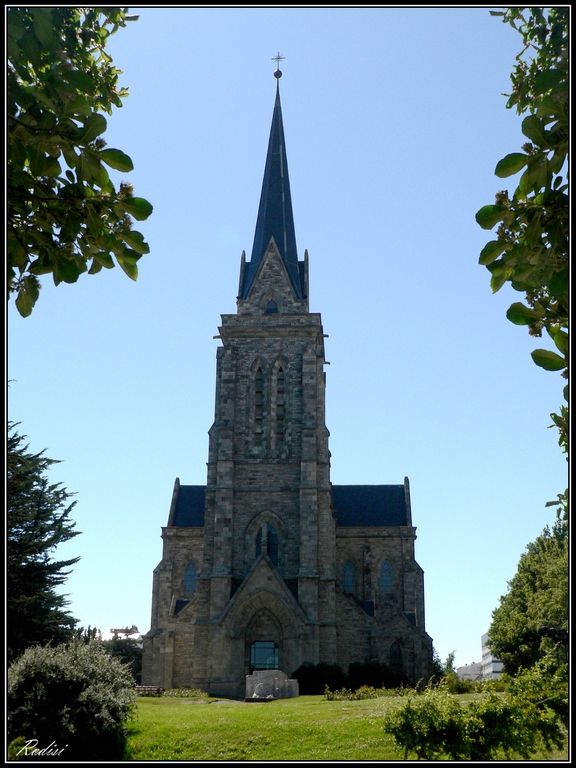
(261, 559)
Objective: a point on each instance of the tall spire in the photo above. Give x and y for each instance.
(275, 217)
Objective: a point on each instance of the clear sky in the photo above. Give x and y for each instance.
(394, 120)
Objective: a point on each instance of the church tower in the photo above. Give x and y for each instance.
(252, 574)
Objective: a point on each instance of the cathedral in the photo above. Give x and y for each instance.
(269, 565)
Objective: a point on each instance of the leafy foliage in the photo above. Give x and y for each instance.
(435, 725)
(185, 693)
(313, 678)
(65, 216)
(531, 247)
(532, 617)
(128, 651)
(73, 694)
(362, 693)
(38, 520)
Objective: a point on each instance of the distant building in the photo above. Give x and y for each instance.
(492, 667)
(470, 671)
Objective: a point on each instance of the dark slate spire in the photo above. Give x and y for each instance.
(275, 217)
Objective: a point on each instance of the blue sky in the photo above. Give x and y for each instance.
(394, 119)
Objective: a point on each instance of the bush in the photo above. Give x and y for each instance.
(364, 692)
(185, 693)
(455, 684)
(313, 678)
(428, 725)
(436, 726)
(375, 674)
(128, 651)
(72, 700)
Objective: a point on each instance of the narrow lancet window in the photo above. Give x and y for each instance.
(386, 578)
(349, 578)
(189, 585)
(258, 406)
(280, 407)
(267, 541)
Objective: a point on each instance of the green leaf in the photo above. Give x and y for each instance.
(533, 128)
(534, 177)
(135, 240)
(39, 94)
(519, 314)
(511, 164)
(92, 169)
(560, 338)
(43, 26)
(67, 270)
(548, 107)
(500, 273)
(550, 361)
(490, 215)
(137, 207)
(105, 259)
(81, 81)
(51, 167)
(491, 251)
(94, 125)
(117, 159)
(558, 284)
(548, 79)
(128, 263)
(41, 267)
(27, 295)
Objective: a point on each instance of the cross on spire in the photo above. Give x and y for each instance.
(278, 59)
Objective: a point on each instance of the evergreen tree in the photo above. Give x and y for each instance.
(38, 520)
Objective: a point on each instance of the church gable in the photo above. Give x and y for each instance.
(272, 291)
(262, 589)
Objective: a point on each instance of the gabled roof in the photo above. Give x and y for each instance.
(188, 506)
(354, 505)
(275, 218)
(371, 505)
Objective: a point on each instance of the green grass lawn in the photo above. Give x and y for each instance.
(303, 728)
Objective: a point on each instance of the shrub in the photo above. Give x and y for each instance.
(185, 693)
(455, 684)
(364, 692)
(313, 678)
(428, 724)
(373, 673)
(435, 726)
(72, 696)
(128, 651)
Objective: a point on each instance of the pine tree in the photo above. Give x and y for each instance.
(38, 520)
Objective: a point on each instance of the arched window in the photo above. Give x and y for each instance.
(271, 307)
(349, 578)
(267, 539)
(189, 583)
(386, 578)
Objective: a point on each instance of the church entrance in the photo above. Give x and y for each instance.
(263, 655)
(263, 642)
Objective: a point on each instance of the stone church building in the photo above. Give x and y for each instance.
(270, 565)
